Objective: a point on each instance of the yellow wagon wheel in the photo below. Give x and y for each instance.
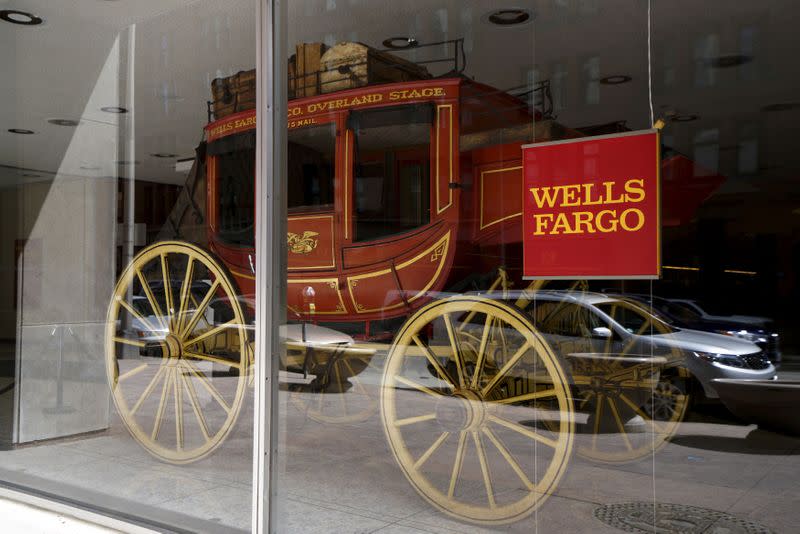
(337, 395)
(177, 356)
(468, 434)
(634, 402)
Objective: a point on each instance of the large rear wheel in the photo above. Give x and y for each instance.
(469, 438)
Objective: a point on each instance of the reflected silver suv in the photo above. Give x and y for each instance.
(594, 323)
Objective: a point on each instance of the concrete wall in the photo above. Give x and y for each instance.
(68, 275)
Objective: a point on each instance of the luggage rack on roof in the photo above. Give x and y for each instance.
(351, 65)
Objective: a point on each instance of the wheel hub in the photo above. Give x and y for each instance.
(600, 385)
(464, 410)
(173, 348)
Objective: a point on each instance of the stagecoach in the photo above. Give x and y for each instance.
(404, 244)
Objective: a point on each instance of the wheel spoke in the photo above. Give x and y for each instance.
(214, 359)
(410, 383)
(459, 462)
(167, 289)
(456, 350)
(528, 396)
(618, 419)
(433, 360)
(162, 404)
(199, 309)
(630, 344)
(624, 398)
(644, 327)
(186, 290)
(135, 371)
(357, 385)
(481, 358)
(502, 335)
(208, 385)
(585, 401)
(148, 390)
(487, 481)
(598, 411)
(610, 339)
(415, 419)
(524, 431)
(132, 342)
(193, 400)
(151, 298)
(524, 299)
(178, 388)
(427, 454)
(210, 333)
(147, 324)
(509, 458)
(467, 320)
(505, 369)
(202, 317)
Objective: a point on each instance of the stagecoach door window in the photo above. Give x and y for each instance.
(310, 168)
(391, 170)
(235, 190)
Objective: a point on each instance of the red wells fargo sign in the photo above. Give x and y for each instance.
(591, 207)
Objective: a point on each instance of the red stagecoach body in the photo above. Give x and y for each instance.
(468, 220)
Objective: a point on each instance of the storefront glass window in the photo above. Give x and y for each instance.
(126, 309)
(451, 393)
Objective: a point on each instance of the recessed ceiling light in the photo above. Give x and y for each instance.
(615, 79)
(164, 155)
(684, 118)
(400, 43)
(21, 131)
(730, 60)
(113, 109)
(782, 106)
(63, 122)
(509, 17)
(20, 17)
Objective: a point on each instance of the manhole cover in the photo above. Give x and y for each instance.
(674, 518)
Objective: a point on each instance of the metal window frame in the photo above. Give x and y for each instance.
(270, 242)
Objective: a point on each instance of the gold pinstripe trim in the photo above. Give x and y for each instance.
(438, 252)
(483, 181)
(439, 109)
